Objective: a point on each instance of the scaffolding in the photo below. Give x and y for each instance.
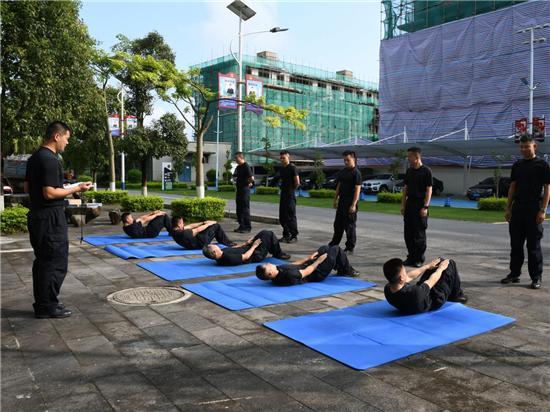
(407, 16)
(340, 106)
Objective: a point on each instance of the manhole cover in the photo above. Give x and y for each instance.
(145, 296)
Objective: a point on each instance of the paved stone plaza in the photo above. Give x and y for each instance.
(195, 355)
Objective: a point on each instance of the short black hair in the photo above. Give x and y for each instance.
(239, 154)
(349, 153)
(56, 127)
(176, 220)
(392, 269)
(261, 272)
(208, 252)
(284, 152)
(124, 216)
(414, 149)
(526, 138)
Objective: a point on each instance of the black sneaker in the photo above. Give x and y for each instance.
(408, 262)
(283, 239)
(460, 298)
(239, 230)
(510, 279)
(536, 284)
(56, 313)
(348, 251)
(283, 256)
(353, 273)
(417, 264)
(292, 240)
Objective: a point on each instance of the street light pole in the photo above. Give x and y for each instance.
(122, 157)
(239, 91)
(531, 83)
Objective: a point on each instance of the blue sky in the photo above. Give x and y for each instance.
(328, 35)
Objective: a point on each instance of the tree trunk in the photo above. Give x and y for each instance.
(144, 176)
(112, 184)
(199, 178)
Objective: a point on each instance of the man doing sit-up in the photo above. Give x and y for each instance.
(314, 268)
(252, 251)
(439, 282)
(198, 235)
(145, 226)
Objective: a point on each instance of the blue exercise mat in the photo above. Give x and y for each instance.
(100, 240)
(152, 251)
(197, 268)
(372, 334)
(251, 292)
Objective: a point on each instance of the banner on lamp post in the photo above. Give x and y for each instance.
(227, 90)
(254, 87)
(114, 124)
(131, 122)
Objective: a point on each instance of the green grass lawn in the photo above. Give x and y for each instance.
(472, 215)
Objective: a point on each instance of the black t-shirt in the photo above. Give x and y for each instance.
(410, 299)
(530, 175)
(242, 173)
(134, 230)
(348, 178)
(43, 169)
(288, 275)
(418, 181)
(186, 239)
(232, 256)
(288, 173)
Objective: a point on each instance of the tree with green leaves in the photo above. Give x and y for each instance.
(227, 167)
(45, 71)
(268, 166)
(151, 48)
(166, 137)
(197, 104)
(396, 165)
(317, 175)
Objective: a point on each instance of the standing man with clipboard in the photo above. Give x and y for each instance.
(46, 221)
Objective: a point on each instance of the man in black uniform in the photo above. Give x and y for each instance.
(153, 221)
(439, 282)
(314, 268)
(253, 250)
(244, 180)
(528, 198)
(346, 201)
(46, 221)
(198, 235)
(417, 194)
(290, 180)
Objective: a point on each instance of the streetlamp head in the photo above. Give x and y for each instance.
(242, 10)
(525, 81)
(277, 29)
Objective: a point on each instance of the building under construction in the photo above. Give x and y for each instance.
(408, 16)
(341, 107)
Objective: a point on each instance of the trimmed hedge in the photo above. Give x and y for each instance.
(107, 197)
(322, 193)
(84, 178)
(492, 203)
(13, 220)
(142, 203)
(226, 188)
(389, 197)
(134, 176)
(265, 190)
(195, 209)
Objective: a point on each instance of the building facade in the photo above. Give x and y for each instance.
(340, 106)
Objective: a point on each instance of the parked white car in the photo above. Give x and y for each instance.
(379, 183)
